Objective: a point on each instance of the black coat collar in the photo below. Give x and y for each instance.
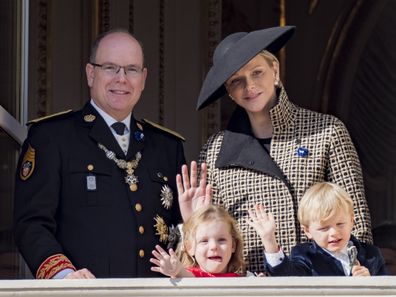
(240, 148)
(101, 133)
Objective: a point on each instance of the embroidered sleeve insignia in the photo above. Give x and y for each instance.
(161, 228)
(52, 265)
(28, 163)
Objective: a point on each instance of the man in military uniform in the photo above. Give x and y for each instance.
(96, 190)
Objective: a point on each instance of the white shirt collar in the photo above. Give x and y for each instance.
(109, 119)
(343, 257)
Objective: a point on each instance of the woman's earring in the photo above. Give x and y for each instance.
(276, 82)
(232, 98)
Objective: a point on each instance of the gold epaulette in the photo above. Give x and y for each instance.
(51, 116)
(162, 128)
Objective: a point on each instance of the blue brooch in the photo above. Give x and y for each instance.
(138, 135)
(302, 152)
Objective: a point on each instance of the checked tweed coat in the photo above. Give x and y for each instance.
(243, 173)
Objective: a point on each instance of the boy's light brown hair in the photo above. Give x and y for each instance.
(321, 201)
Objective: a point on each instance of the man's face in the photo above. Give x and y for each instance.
(117, 93)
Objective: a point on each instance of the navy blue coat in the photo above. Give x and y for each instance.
(110, 229)
(309, 259)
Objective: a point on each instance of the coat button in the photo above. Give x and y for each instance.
(138, 207)
(90, 167)
(141, 253)
(141, 229)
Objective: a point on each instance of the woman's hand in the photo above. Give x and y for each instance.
(191, 195)
(265, 226)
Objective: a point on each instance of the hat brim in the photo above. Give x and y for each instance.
(237, 55)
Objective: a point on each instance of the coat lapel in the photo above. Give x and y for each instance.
(99, 131)
(240, 148)
(137, 138)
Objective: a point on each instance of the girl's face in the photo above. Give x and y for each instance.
(213, 246)
(253, 86)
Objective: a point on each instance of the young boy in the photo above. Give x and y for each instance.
(326, 216)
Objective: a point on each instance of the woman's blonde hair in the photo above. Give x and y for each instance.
(269, 57)
(321, 201)
(209, 214)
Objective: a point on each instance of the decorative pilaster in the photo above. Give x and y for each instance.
(211, 116)
(104, 19)
(43, 58)
(161, 70)
(131, 17)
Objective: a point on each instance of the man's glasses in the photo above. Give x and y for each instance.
(112, 69)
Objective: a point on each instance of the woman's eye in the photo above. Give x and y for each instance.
(235, 82)
(257, 73)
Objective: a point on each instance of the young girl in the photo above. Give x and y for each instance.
(212, 247)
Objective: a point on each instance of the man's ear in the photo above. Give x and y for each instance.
(89, 70)
(306, 231)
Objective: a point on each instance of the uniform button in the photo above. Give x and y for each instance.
(141, 253)
(141, 229)
(90, 167)
(138, 207)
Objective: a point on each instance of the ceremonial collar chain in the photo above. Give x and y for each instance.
(128, 166)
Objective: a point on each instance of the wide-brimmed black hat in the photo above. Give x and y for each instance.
(233, 52)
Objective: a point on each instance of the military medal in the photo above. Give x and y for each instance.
(161, 228)
(166, 196)
(129, 166)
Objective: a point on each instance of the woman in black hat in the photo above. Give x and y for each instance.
(272, 150)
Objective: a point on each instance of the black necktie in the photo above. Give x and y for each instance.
(119, 128)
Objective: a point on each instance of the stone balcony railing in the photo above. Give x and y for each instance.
(251, 286)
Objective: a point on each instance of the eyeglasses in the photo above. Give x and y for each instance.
(112, 69)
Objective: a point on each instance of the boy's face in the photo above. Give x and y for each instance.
(332, 234)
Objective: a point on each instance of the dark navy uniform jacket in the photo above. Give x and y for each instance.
(309, 259)
(104, 227)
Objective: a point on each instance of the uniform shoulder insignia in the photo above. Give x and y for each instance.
(162, 128)
(48, 117)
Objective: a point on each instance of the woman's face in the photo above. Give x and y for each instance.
(253, 86)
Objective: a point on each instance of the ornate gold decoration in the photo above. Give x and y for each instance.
(161, 228)
(52, 265)
(129, 166)
(89, 118)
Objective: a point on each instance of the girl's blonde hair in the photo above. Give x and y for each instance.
(209, 214)
(321, 201)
